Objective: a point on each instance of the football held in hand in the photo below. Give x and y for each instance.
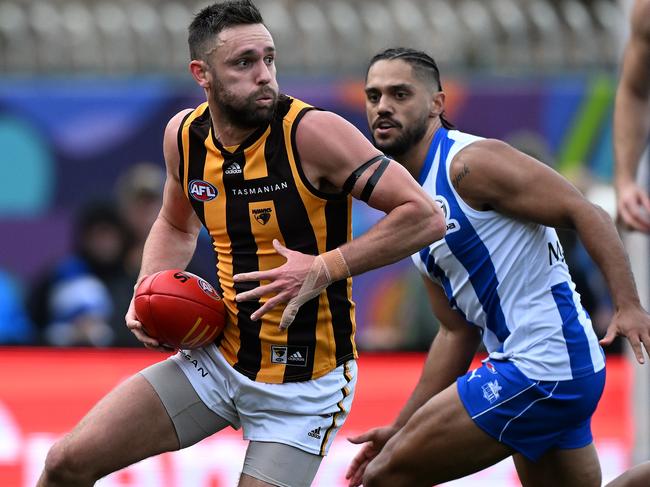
(179, 309)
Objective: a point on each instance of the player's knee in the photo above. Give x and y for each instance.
(61, 467)
(594, 477)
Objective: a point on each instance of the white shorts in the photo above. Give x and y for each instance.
(305, 414)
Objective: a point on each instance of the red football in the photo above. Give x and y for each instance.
(179, 309)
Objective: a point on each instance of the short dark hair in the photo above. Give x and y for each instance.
(216, 17)
(424, 67)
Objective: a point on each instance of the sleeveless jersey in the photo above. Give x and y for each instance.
(246, 196)
(507, 277)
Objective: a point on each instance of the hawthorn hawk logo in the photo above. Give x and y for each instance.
(262, 215)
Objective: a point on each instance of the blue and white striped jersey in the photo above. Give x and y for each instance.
(507, 277)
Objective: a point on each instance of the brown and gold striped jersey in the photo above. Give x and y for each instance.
(246, 196)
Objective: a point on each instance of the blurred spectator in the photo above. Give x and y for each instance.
(139, 193)
(15, 327)
(83, 298)
(80, 308)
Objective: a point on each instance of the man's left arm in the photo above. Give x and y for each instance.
(333, 152)
(500, 177)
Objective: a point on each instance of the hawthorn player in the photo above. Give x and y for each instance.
(271, 179)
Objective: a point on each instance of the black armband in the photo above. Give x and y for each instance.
(356, 174)
(372, 181)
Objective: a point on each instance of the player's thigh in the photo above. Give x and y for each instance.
(440, 442)
(577, 467)
(277, 464)
(638, 476)
(192, 419)
(153, 412)
(127, 425)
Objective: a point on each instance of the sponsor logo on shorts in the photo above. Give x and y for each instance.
(202, 190)
(315, 433)
(195, 363)
(474, 375)
(290, 355)
(491, 391)
(491, 368)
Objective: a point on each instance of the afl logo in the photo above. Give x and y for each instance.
(208, 289)
(202, 190)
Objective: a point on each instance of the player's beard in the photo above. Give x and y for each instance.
(244, 112)
(405, 141)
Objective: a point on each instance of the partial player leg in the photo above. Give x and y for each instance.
(276, 464)
(577, 467)
(638, 476)
(126, 426)
(439, 443)
(140, 418)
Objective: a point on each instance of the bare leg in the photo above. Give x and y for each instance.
(126, 426)
(577, 467)
(248, 481)
(638, 476)
(439, 443)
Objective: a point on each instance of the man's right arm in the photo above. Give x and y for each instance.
(449, 357)
(632, 121)
(172, 239)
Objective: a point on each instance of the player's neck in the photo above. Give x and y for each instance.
(228, 134)
(414, 158)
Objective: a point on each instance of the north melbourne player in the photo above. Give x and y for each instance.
(498, 276)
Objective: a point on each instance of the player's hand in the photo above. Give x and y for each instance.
(374, 440)
(633, 207)
(634, 324)
(292, 283)
(133, 324)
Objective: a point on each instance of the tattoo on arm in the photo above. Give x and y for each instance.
(459, 177)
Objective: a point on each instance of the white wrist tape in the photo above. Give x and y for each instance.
(335, 265)
(326, 269)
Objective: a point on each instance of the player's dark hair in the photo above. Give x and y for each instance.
(216, 17)
(424, 67)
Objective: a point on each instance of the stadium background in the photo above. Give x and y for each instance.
(87, 88)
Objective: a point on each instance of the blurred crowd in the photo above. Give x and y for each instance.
(80, 298)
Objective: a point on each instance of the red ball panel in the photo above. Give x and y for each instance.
(179, 309)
